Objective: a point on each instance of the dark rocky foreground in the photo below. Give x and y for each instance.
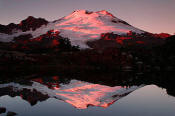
(51, 53)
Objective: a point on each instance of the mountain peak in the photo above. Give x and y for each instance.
(82, 12)
(104, 12)
(30, 17)
(31, 23)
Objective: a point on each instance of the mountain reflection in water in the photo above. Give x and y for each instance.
(77, 93)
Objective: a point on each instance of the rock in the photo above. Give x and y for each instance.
(11, 113)
(2, 110)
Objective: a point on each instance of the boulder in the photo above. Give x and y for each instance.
(11, 113)
(2, 110)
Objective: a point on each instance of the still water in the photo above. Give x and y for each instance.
(58, 96)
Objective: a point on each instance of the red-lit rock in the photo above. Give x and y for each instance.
(162, 35)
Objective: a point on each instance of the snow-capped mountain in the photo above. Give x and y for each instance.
(80, 26)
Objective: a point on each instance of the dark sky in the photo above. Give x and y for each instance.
(150, 15)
